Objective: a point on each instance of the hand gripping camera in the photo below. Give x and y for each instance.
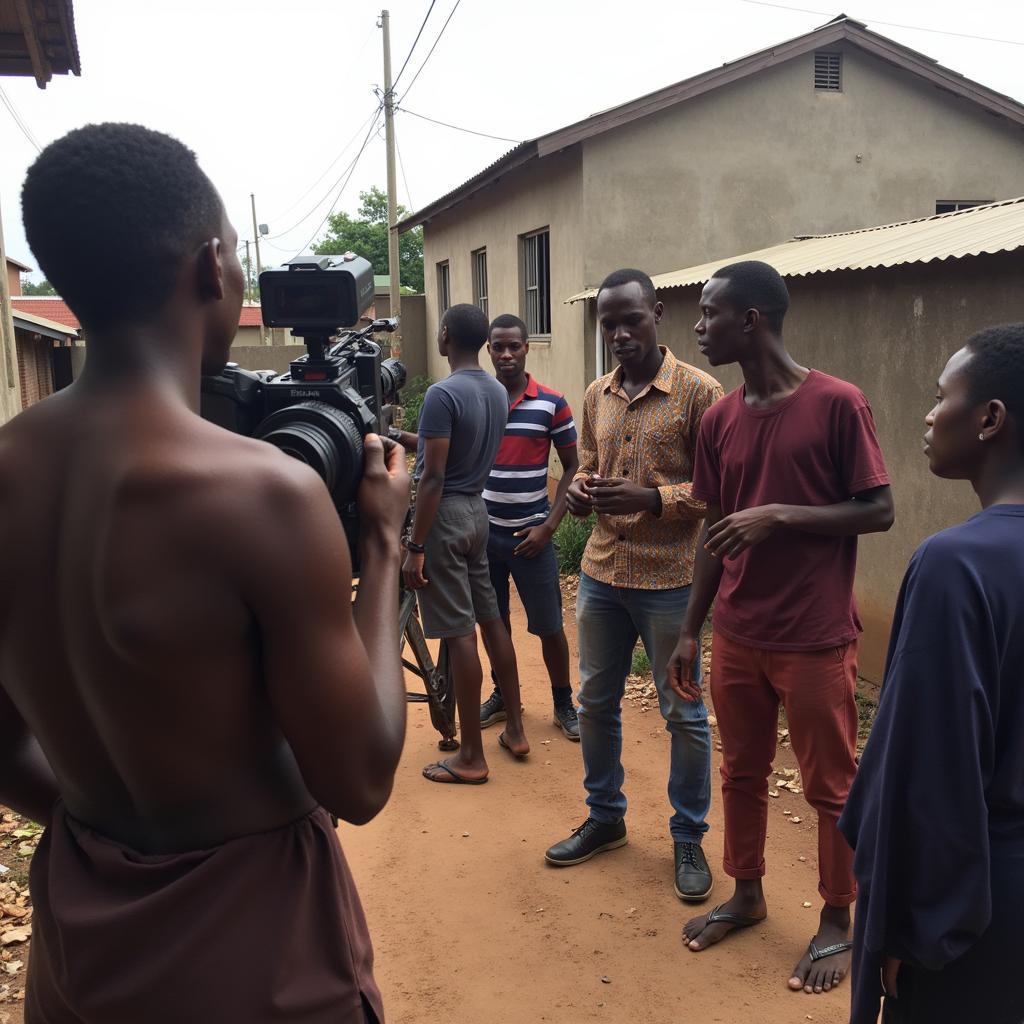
(331, 397)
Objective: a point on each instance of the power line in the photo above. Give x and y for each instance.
(434, 47)
(352, 170)
(351, 165)
(888, 24)
(328, 169)
(405, 180)
(445, 124)
(19, 120)
(413, 47)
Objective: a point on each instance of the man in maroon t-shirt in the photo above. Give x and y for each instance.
(791, 471)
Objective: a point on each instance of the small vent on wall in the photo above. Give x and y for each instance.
(827, 68)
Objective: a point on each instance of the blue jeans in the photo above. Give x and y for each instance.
(610, 619)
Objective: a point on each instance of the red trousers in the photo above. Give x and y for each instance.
(816, 688)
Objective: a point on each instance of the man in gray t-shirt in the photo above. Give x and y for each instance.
(471, 408)
(461, 426)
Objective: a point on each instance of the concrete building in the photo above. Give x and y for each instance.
(832, 130)
(885, 308)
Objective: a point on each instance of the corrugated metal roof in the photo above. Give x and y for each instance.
(998, 227)
(49, 327)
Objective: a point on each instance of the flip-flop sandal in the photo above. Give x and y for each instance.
(826, 951)
(717, 915)
(456, 779)
(502, 742)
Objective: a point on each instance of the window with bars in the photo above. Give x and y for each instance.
(828, 69)
(952, 205)
(444, 293)
(480, 279)
(536, 250)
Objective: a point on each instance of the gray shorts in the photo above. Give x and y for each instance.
(459, 592)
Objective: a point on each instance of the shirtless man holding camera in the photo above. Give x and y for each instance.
(187, 691)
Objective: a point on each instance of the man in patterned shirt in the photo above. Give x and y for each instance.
(639, 429)
(522, 519)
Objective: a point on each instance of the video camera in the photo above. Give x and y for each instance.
(331, 397)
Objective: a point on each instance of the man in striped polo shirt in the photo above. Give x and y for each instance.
(523, 521)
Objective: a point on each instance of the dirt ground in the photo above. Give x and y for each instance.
(470, 924)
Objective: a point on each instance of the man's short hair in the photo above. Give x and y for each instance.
(508, 321)
(756, 285)
(996, 370)
(111, 212)
(629, 275)
(467, 326)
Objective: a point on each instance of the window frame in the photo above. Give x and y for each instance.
(478, 258)
(444, 287)
(956, 205)
(535, 282)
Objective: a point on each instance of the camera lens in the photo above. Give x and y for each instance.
(325, 438)
(392, 378)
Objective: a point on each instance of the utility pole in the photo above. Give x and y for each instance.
(248, 272)
(389, 135)
(259, 265)
(256, 236)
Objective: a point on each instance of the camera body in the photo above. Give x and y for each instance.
(331, 397)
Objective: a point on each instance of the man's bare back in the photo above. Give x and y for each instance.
(183, 671)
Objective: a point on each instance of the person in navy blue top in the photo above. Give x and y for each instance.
(936, 813)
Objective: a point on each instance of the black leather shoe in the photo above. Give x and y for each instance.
(693, 876)
(590, 839)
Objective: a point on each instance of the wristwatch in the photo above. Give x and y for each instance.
(416, 549)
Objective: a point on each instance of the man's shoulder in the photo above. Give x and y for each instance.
(599, 385)
(836, 390)
(547, 393)
(690, 375)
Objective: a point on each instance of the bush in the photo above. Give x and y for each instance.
(641, 663)
(570, 540)
(412, 401)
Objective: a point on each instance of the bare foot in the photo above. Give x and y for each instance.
(699, 933)
(822, 975)
(515, 742)
(452, 770)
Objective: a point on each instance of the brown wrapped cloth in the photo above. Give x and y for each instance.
(264, 928)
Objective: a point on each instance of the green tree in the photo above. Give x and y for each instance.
(45, 288)
(366, 234)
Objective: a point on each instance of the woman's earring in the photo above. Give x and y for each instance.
(981, 437)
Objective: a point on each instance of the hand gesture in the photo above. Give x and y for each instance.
(383, 495)
(537, 539)
(412, 571)
(577, 499)
(615, 496)
(680, 668)
(733, 534)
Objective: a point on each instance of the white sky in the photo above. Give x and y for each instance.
(267, 92)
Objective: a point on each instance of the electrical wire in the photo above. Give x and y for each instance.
(408, 56)
(348, 169)
(405, 180)
(351, 171)
(888, 24)
(19, 120)
(445, 124)
(328, 169)
(434, 47)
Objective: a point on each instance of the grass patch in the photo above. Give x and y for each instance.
(412, 401)
(570, 541)
(641, 663)
(867, 708)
